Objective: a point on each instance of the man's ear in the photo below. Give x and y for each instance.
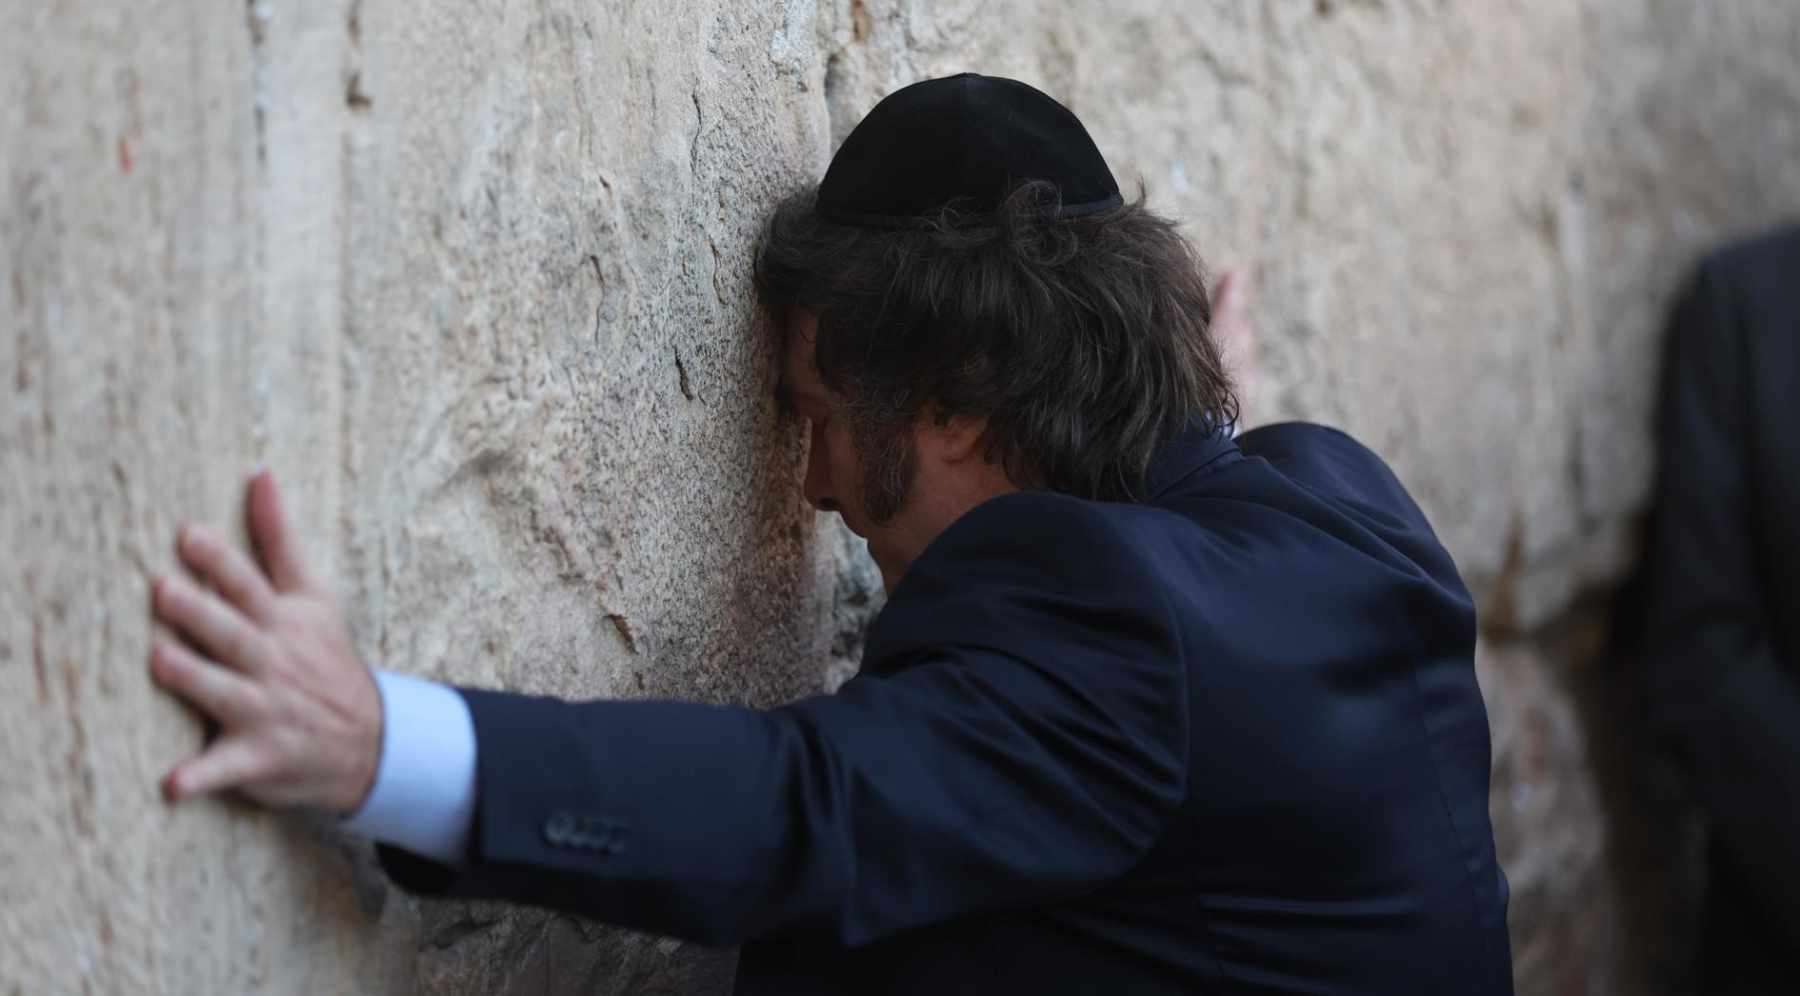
(957, 438)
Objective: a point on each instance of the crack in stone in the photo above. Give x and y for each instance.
(354, 97)
(623, 625)
(687, 390)
(600, 284)
(257, 16)
(694, 145)
(861, 25)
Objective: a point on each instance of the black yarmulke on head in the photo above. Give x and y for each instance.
(963, 142)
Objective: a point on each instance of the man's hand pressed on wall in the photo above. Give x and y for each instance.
(299, 713)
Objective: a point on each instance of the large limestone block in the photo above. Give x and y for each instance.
(474, 282)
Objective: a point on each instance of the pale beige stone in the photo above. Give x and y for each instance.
(474, 280)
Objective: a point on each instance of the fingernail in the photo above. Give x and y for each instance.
(259, 470)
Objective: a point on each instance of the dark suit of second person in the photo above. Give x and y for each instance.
(1721, 621)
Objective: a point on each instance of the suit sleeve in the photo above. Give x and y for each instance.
(1718, 686)
(1025, 743)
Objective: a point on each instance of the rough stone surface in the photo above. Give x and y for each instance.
(474, 281)
(1602, 848)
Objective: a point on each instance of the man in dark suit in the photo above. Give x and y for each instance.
(1149, 709)
(1720, 632)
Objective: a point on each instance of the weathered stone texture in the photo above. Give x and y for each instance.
(474, 280)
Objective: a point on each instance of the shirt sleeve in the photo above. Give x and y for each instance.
(423, 798)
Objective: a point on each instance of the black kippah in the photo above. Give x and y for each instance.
(964, 141)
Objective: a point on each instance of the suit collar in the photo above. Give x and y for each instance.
(1198, 447)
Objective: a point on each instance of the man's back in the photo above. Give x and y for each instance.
(1331, 832)
(1718, 630)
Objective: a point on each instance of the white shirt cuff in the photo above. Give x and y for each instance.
(423, 799)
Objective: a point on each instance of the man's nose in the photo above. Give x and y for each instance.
(818, 473)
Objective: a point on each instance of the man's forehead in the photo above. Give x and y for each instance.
(799, 336)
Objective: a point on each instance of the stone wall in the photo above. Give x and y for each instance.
(474, 280)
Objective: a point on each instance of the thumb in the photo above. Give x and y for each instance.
(276, 543)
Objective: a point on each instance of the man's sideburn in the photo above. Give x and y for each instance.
(890, 458)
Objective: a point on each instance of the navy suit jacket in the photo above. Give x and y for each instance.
(1225, 740)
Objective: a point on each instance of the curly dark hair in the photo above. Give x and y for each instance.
(1082, 341)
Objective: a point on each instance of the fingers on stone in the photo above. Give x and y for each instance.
(277, 544)
(229, 763)
(228, 568)
(1231, 296)
(206, 618)
(1223, 289)
(214, 690)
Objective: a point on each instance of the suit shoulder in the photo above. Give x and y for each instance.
(1743, 290)
(1334, 466)
(1037, 575)
(1040, 552)
(1282, 438)
(1045, 533)
(1318, 451)
(1772, 253)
